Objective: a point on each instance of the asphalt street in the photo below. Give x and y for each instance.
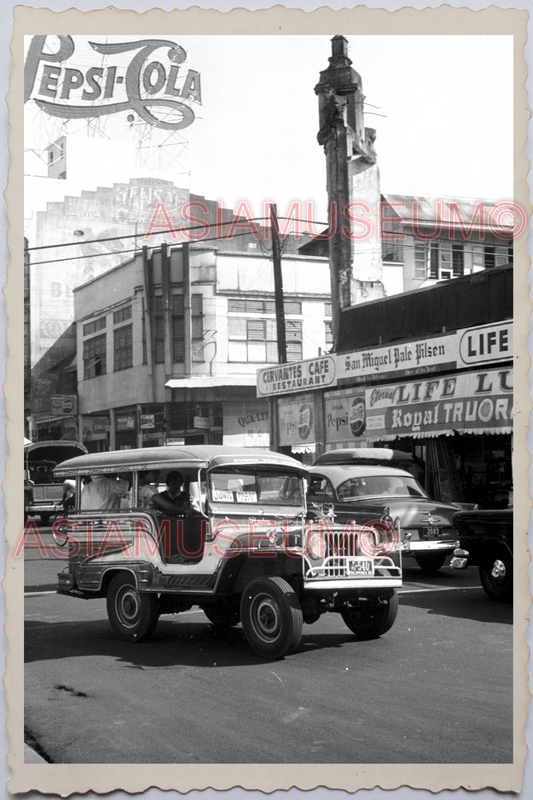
(437, 688)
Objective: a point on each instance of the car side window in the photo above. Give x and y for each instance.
(320, 490)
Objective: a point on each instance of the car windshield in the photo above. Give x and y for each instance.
(268, 487)
(379, 486)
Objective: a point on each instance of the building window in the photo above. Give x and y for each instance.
(94, 326)
(159, 325)
(94, 356)
(328, 333)
(123, 347)
(392, 251)
(144, 341)
(255, 340)
(420, 261)
(122, 315)
(438, 260)
(253, 306)
(490, 256)
(458, 260)
(327, 309)
(178, 328)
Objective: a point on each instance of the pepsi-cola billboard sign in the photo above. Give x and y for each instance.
(157, 89)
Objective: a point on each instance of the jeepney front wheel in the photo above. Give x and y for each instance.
(133, 615)
(373, 617)
(271, 617)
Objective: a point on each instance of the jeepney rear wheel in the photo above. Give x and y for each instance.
(272, 617)
(496, 575)
(430, 563)
(133, 615)
(374, 617)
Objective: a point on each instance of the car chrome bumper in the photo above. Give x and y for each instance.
(426, 546)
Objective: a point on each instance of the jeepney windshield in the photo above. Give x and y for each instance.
(244, 485)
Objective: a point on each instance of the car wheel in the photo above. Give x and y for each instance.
(223, 615)
(430, 563)
(373, 618)
(272, 617)
(45, 519)
(133, 615)
(496, 575)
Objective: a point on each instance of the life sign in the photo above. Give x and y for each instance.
(150, 87)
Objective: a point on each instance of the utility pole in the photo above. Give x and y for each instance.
(278, 286)
(187, 320)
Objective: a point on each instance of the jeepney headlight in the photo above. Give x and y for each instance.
(317, 546)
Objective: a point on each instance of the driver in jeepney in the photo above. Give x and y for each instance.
(175, 498)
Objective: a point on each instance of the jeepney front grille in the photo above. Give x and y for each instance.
(338, 567)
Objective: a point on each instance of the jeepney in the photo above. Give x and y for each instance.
(42, 492)
(246, 552)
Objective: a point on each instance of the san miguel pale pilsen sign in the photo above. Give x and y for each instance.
(149, 85)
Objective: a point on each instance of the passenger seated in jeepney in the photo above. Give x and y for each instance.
(175, 499)
(148, 483)
(104, 493)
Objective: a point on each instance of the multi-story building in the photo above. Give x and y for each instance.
(169, 343)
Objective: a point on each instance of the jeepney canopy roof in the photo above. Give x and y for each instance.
(172, 457)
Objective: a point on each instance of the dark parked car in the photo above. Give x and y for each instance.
(425, 524)
(486, 540)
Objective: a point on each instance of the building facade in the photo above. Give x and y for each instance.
(169, 343)
(429, 372)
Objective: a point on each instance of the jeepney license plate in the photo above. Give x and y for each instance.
(432, 533)
(361, 566)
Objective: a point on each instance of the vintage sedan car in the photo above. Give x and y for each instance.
(425, 525)
(486, 540)
(243, 550)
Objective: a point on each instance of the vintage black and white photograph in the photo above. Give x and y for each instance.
(267, 406)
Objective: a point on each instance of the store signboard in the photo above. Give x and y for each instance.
(297, 421)
(463, 348)
(95, 427)
(473, 402)
(64, 404)
(125, 422)
(147, 421)
(247, 424)
(201, 423)
(298, 376)
(344, 415)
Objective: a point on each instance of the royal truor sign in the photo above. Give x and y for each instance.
(468, 402)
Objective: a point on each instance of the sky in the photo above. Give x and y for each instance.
(441, 105)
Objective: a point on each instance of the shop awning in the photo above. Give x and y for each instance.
(207, 381)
